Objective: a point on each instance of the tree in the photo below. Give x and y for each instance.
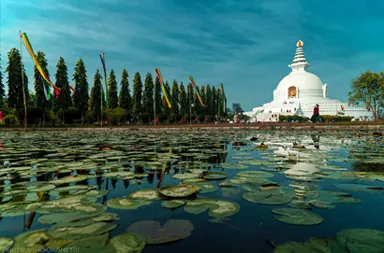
(137, 93)
(158, 94)
(209, 101)
(236, 107)
(175, 98)
(41, 86)
(14, 80)
(64, 100)
(125, 99)
(214, 100)
(148, 96)
(2, 89)
(97, 96)
(113, 101)
(166, 110)
(81, 83)
(184, 108)
(201, 109)
(368, 88)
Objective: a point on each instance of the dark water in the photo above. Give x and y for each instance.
(245, 231)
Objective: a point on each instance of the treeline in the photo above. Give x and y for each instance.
(84, 105)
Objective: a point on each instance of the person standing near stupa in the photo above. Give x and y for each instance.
(316, 114)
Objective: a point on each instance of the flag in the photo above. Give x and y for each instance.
(28, 45)
(197, 91)
(342, 108)
(163, 88)
(102, 58)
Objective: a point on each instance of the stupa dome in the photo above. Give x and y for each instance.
(301, 80)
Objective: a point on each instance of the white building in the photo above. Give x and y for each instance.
(299, 92)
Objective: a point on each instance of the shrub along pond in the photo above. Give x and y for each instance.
(191, 191)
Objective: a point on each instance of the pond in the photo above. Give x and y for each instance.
(191, 191)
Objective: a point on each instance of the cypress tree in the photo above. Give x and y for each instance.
(113, 101)
(82, 89)
(125, 99)
(214, 100)
(41, 86)
(64, 100)
(14, 80)
(97, 94)
(184, 108)
(166, 110)
(202, 110)
(148, 96)
(209, 102)
(158, 95)
(175, 98)
(137, 94)
(2, 89)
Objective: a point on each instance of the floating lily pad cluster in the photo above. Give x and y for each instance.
(349, 240)
(58, 176)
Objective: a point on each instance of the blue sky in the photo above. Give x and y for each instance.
(246, 44)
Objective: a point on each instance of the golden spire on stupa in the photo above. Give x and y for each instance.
(300, 43)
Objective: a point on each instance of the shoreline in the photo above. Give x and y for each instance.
(361, 126)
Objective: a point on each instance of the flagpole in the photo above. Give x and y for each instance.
(101, 104)
(22, 82)
(190, 104)
(154, 104)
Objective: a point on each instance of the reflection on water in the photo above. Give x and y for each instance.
(303, 185)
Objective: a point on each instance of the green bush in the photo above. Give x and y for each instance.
(116, 115)
(334, 118)
(11, 120)
(289, 118)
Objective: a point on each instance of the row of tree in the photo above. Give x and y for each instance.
(85, 106)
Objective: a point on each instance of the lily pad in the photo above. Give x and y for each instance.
(174, 203)
(297, 216)
(266, 198)
(214, 175)
(69, 179)
(106, 217)
(180, 191)
(37, 240)
(321, 204)
(255, 174)
(359, 187)
(323, 245)
(154, 233)
(89, 244)
(125, 203)
(368, 240)
(96, 228)
(5, 244)
(66, 217)
(149, 194)
(128, 243)
(193, 180)
(217, 208)
(186, 176)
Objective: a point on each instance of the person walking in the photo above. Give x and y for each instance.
(316, 114)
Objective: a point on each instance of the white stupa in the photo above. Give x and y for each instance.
(299, 92)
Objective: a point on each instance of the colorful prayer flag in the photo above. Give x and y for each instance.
(102, 58)
(163, 88)
(30, 50)
(197, 91)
